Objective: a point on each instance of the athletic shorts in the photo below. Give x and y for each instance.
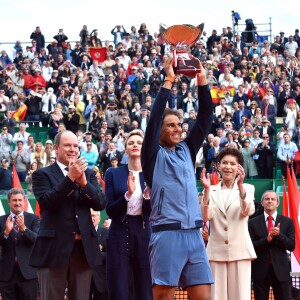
(178, 257)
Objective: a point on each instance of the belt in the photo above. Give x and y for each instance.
(174, 226)
(77, 236)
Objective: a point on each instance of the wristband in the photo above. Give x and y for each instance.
(171, 79)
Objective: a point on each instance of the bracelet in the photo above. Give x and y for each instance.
(171, 79)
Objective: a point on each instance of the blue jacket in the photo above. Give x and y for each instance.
(115, 189)
(170, 173)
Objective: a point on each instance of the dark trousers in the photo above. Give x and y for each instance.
(283, 168)
(127, 247)
(76, 275)
(281, 290)
(21, 175)
(265, 172)
(18, 288)
(35, 120)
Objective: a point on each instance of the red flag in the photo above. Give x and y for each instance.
(98, 53)
(293, 193)
(20, 113)
(214, 176)
(285, 201)
(17, 184)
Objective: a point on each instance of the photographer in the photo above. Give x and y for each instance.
(111, 115)
(71, 119)
(33, 104)
(90, 83)
(61, 38)
(48, 105)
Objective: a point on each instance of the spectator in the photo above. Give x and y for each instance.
(18, 234)
(28, 179)
(286, 154)
(276, 227)
(118, 32)
(90, 156)
(61, 38)
(9, 122)
(249, 164)
(5, 176)
(6, 140)
(39, 156)
(266, 128)
(39, 38)
(98, 285)
(108, 155)
(268, 110)
(237, 199)
(21, 160)
(73, 254)
(71, 119)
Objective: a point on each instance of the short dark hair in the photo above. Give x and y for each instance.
(15, 191)
(169, 111)
(233, 152)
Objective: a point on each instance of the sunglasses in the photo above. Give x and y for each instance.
(265, 137)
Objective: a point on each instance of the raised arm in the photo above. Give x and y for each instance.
(151, 140)
(204, 117)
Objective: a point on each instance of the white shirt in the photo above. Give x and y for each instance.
(135, 202)
(274, 216)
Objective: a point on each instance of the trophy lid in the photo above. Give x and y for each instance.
(181, 34)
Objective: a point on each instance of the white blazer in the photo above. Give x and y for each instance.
(229, 239)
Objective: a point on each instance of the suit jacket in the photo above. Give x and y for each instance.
(266, 155)
(236, 116)
(274, 251)
(229, 238)
(65, 211)
(115, 189)
(271, 113)
(99, 271)
(19, 248)
(270, 131)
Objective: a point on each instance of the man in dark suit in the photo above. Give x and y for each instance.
(237, 115)
(66, 248)
(18, 231)
(272, 235)
(266, 128)
(268, 110)
(265, 162)
(99, 286)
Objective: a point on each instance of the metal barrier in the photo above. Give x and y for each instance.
(180, 294)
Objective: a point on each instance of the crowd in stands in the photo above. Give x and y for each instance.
(61, 87)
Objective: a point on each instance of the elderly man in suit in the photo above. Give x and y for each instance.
(66, 248)
(272, 235)
(99, 286)
(18, 231)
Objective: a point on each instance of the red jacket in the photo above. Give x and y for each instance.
(38, 81)
(28, 81)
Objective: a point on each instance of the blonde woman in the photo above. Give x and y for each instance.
(39, 155)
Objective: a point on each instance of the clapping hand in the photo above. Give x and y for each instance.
(131, 184)
(205, 179)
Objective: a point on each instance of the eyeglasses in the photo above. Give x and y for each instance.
(286, 85)
(270, 91)
(89, 144)
(265, 137)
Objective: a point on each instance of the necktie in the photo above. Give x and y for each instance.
(266, 110)
(49, 105)
(15, 229)
(270, 223)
